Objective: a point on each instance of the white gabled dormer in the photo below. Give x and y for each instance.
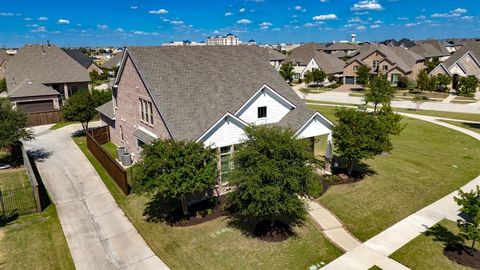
(266, 106)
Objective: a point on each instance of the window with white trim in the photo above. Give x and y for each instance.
(262, 112)
(146, 111)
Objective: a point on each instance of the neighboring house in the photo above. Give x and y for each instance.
(207, 94)
(404, 42)
(113, 62)
(301, 56)
(391, 61)
(275, 57)
(430, 49)
(464, 62)
(342, 49)
(4, 59)
(38, 75)
(329, 63)
(83, 60)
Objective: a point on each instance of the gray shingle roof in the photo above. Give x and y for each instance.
(430, 49)
(44, 64)
(107, 109)
(28, 88)
(78, 56)
(329, 63)
(341, 46)
(113, 62)
(4, 57)
(304, 53)
(195, 86)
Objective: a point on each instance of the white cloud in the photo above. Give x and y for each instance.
(276, 29)
(265, 25)
(459, 11)
(361, 27)
(27, 19)
(63, 21)
(361, 13)
(228, 14)
(119, 29)
(355, 20)
(378, 22)
(421, 17)
(241, 10)
(298, 8)
(160, 11)
(309, 25)
(452, 13)
(43, 19)
(6, 14)
(40, 29)
(402, 18)
(177, 22)
(374, 26)
(367, 5)
(410, 24)
(102, 26)
(323, 1)
(133, 7)
(324, 17)
(468, 18)
(244, 21)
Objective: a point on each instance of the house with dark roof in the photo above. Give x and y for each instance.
(83, 60)
(342, 49)
(39, 76)
(113, 62)
(391, 61)
(404, 42)
(464, 62)
(310, 56)
(207, 94)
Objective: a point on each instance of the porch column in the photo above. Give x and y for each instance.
(329, 155)
(65, 90)
(219, 166)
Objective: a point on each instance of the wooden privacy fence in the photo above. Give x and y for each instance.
(44, 118)
(115, 170)
(101, 134)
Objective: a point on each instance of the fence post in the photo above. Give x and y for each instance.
(36, 194)
(1, 201)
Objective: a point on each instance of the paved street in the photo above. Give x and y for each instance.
(97, 231)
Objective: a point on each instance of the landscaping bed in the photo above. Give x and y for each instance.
(218, 243)
(422, 163)
(430, 250)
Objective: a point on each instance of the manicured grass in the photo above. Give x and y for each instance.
(454, 115)
(426, 252)
(13, 178)
(471, 126)
(428, 161)
(62, 124)
(215, 244)
(35, 242)
(111, 149)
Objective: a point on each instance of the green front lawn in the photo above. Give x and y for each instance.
(427, 163)
(471, 126)
(35, 242)
(215, 244)
(62, 124)
(13, 178)
(111, 149)
(426, 252)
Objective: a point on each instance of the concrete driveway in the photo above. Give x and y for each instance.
(98, 233)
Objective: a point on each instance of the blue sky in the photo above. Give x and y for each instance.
(150, 22)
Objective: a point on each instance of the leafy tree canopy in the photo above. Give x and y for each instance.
(470, 206)
(380, 92)
(286, 71)
(363, 75)
(13, 125)
(270, 172)
(81, 107)
(467, 85)
(176, 170)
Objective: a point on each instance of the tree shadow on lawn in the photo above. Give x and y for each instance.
(360, 169)
(455, 249)
(8, 218)
(264, 229)
(472, 125)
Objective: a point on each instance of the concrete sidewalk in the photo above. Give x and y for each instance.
(97, 231)
(376, 250)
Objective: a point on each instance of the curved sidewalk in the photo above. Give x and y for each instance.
(98, 233)
(376, 250)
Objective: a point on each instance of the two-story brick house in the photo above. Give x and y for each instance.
(207, 94)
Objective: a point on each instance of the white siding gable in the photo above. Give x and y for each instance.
(311, 65)
(227, 131)
(315, 126)
(277, 107)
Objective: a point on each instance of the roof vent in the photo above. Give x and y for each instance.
(43, 50)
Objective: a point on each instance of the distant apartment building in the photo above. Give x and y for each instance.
(184, 43)
(227, 40)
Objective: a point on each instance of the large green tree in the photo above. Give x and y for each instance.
(286, 71)
(431, 64)
(270, 173)
(80, 107)
(363, 75)
(470, 206)
(13, 125)
(380, 92)
(176, 170)
(443, 82)
(361, 135)
(467, 85)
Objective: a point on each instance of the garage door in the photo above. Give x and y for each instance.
(349, 80)
(36, 106)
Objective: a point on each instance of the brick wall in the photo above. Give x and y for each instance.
(127, 113)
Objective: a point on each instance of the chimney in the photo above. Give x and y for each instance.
(48, 43)
(353, 38)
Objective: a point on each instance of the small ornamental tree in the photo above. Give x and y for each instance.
(318, 76)
(360, 135)
(363, 75)
(380, 92)
(470, 206)
(13, 125)
(80, 107)
(286, 71)
(270, 174)
(419, 100)
(308, 77)
(443, 82)
(423, 81)
(467, 85)
(176, 170)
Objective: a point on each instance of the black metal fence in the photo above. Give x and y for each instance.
(19, 200)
